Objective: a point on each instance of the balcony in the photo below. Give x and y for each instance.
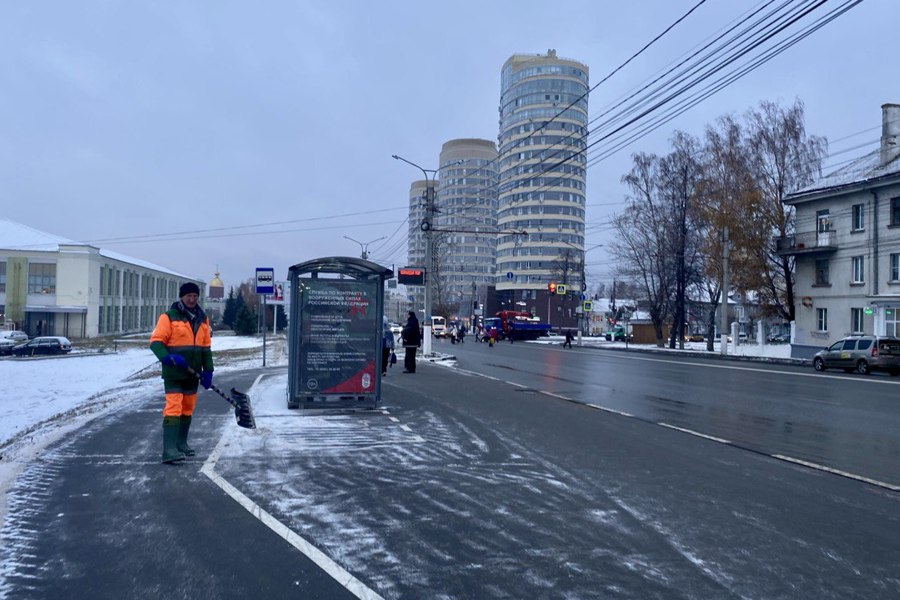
(807, 243)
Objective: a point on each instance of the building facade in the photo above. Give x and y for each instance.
(50, 285)
(543, 132)
(466, 222)
(543, 140)
(847, 248)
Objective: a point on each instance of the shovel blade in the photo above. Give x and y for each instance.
(243, 412)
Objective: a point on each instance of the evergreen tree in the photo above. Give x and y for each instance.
(282, 317)
(230, 309)
(245, 321)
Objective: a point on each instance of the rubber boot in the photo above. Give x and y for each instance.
(171, 454)
(183, 428)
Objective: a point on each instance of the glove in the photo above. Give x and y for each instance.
(174, 360)
(206, 379)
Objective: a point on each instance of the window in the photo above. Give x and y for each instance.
(823, 221)
(2, 276)
(895, 211)
(41, 278)
(822, 319)
(822, 272)
(858, 219)
(895, 267)
(856, 320)
(859, 263)
(849, 345)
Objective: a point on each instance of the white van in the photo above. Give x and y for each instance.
(438, 326)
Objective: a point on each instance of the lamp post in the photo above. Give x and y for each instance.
(364, 246)
(427, 226)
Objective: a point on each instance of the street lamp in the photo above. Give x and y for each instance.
(364, 246)
(426, 226)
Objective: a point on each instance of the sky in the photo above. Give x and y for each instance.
(262, 133)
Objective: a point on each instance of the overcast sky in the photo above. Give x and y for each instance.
(129, 119)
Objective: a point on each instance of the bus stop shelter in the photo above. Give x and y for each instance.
(335, 333)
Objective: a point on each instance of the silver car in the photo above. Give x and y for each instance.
(861, 353)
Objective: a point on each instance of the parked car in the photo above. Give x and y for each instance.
(781, 338)
(16, 336)
(862, 353)
(6, 346)
(43, 345)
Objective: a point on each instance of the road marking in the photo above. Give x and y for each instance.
(781, 457)
(323, 561)
(697, 433)
(818, 467)
(518, 385)
(610, 410)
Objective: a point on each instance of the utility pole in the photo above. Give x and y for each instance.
(364, 246)
(426, 226)
(723, 317)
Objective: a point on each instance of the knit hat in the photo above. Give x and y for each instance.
(188, 288)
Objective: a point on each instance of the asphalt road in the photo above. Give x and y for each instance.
(506, 478)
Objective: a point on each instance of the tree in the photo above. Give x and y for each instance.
(680, 173)
(640, 246)
(729, 209)
(231, 309)
(783, 159)
(245, 322)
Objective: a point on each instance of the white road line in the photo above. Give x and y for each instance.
(337, 572)
(406, 428)
(610, 410)
(560, 396)
(518, 385)
(819, 467)
(696, 433)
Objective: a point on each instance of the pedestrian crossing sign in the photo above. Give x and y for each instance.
(587, 305)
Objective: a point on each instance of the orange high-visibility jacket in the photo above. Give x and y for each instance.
(176, 333)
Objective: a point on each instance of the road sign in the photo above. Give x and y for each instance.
(583, 287)
(509, 275)
(265, 280)
(588, 306)
(561, 289)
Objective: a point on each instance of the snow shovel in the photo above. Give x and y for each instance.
(243, 412)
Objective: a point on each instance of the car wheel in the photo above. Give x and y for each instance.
(862, 367)
(819, 365)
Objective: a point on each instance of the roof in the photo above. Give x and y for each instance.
(22, 238)
(354, 267)
(863, 171)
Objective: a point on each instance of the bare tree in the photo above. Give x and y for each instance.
(640, 246)
(783, 159)
(679, 175)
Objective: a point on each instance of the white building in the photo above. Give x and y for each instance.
(50, 285)
(847, 247)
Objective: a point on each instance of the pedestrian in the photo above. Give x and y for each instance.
(492, 336)
(412, 338)
(461, 333)
(180, 340)
(569, 336)
(40, 328)
(387, 347)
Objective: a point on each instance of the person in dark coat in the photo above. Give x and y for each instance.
(412, 339)
(569, 336)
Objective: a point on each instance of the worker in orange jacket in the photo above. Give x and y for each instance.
(182, 339)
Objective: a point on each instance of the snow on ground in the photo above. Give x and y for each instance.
(45, 398)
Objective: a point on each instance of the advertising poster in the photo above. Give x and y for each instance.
(339, 337)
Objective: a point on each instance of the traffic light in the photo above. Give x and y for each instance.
(551, 287)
